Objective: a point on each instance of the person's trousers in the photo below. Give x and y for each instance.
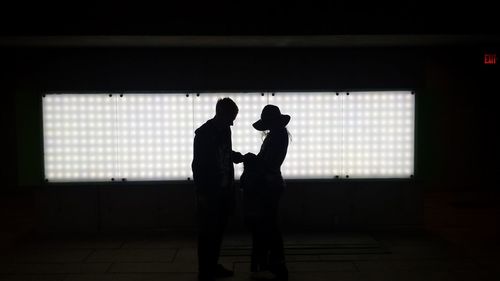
(267, 240)
(212, 220)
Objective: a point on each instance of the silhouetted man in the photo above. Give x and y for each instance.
(213, 173)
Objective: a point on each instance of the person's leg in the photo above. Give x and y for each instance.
(225, 208)
(250, 225)
(219, 228)
(264, 231)
(208, 236)
(277, 263)
(276, 249)
(262, 268)
(251, 217)
(260, 245)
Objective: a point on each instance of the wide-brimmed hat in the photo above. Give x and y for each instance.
(271, 117)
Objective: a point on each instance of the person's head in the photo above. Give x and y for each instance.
(226, 111)
(271, 118)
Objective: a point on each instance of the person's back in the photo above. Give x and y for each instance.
(212, 166)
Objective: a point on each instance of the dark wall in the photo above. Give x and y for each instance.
(455, 126)
(457, 121)
(217, 68)
(241, 18)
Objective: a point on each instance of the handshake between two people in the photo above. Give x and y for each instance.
(245, 159)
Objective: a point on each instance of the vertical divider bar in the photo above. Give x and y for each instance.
(332, 106)
(117, 131)
(370, 159)
(192, 108)
(342, 136)
(43, 143)
(193, 97)
(87, 151)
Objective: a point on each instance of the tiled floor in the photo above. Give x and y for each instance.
(311, 257)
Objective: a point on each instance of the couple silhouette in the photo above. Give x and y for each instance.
(262, 186)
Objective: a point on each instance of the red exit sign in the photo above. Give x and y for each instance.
(490, 58)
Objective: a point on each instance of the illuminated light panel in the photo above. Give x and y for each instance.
(314, 149)
(95, 137)
(378, 134)
(244, 137)
(78, 137)
(154, 136)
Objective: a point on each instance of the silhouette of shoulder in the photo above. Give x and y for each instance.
(206, 129)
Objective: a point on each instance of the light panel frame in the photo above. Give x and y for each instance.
(148, 137)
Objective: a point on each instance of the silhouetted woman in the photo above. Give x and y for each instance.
(263, 186)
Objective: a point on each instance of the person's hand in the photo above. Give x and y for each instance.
(237, 157)
(251, 161)
(249, 156)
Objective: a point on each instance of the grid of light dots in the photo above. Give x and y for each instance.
(244, 137)
(95, 137)
(315, 129)
(155, 140)
(78, 137)
(378, 134)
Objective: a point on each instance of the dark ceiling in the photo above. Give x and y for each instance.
(245, 18)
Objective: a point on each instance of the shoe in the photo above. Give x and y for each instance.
(263, 275)
(221, 272)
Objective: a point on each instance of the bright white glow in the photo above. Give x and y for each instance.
(95, 137)
(154, 130)
(315, 128)
(76, 146)
(378, 139)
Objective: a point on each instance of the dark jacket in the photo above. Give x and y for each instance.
(262, 172)
(212, 164)
(272, 154)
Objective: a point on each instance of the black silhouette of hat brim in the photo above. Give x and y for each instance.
(263, 125)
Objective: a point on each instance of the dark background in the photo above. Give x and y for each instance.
(456, 142)
(247, 17)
